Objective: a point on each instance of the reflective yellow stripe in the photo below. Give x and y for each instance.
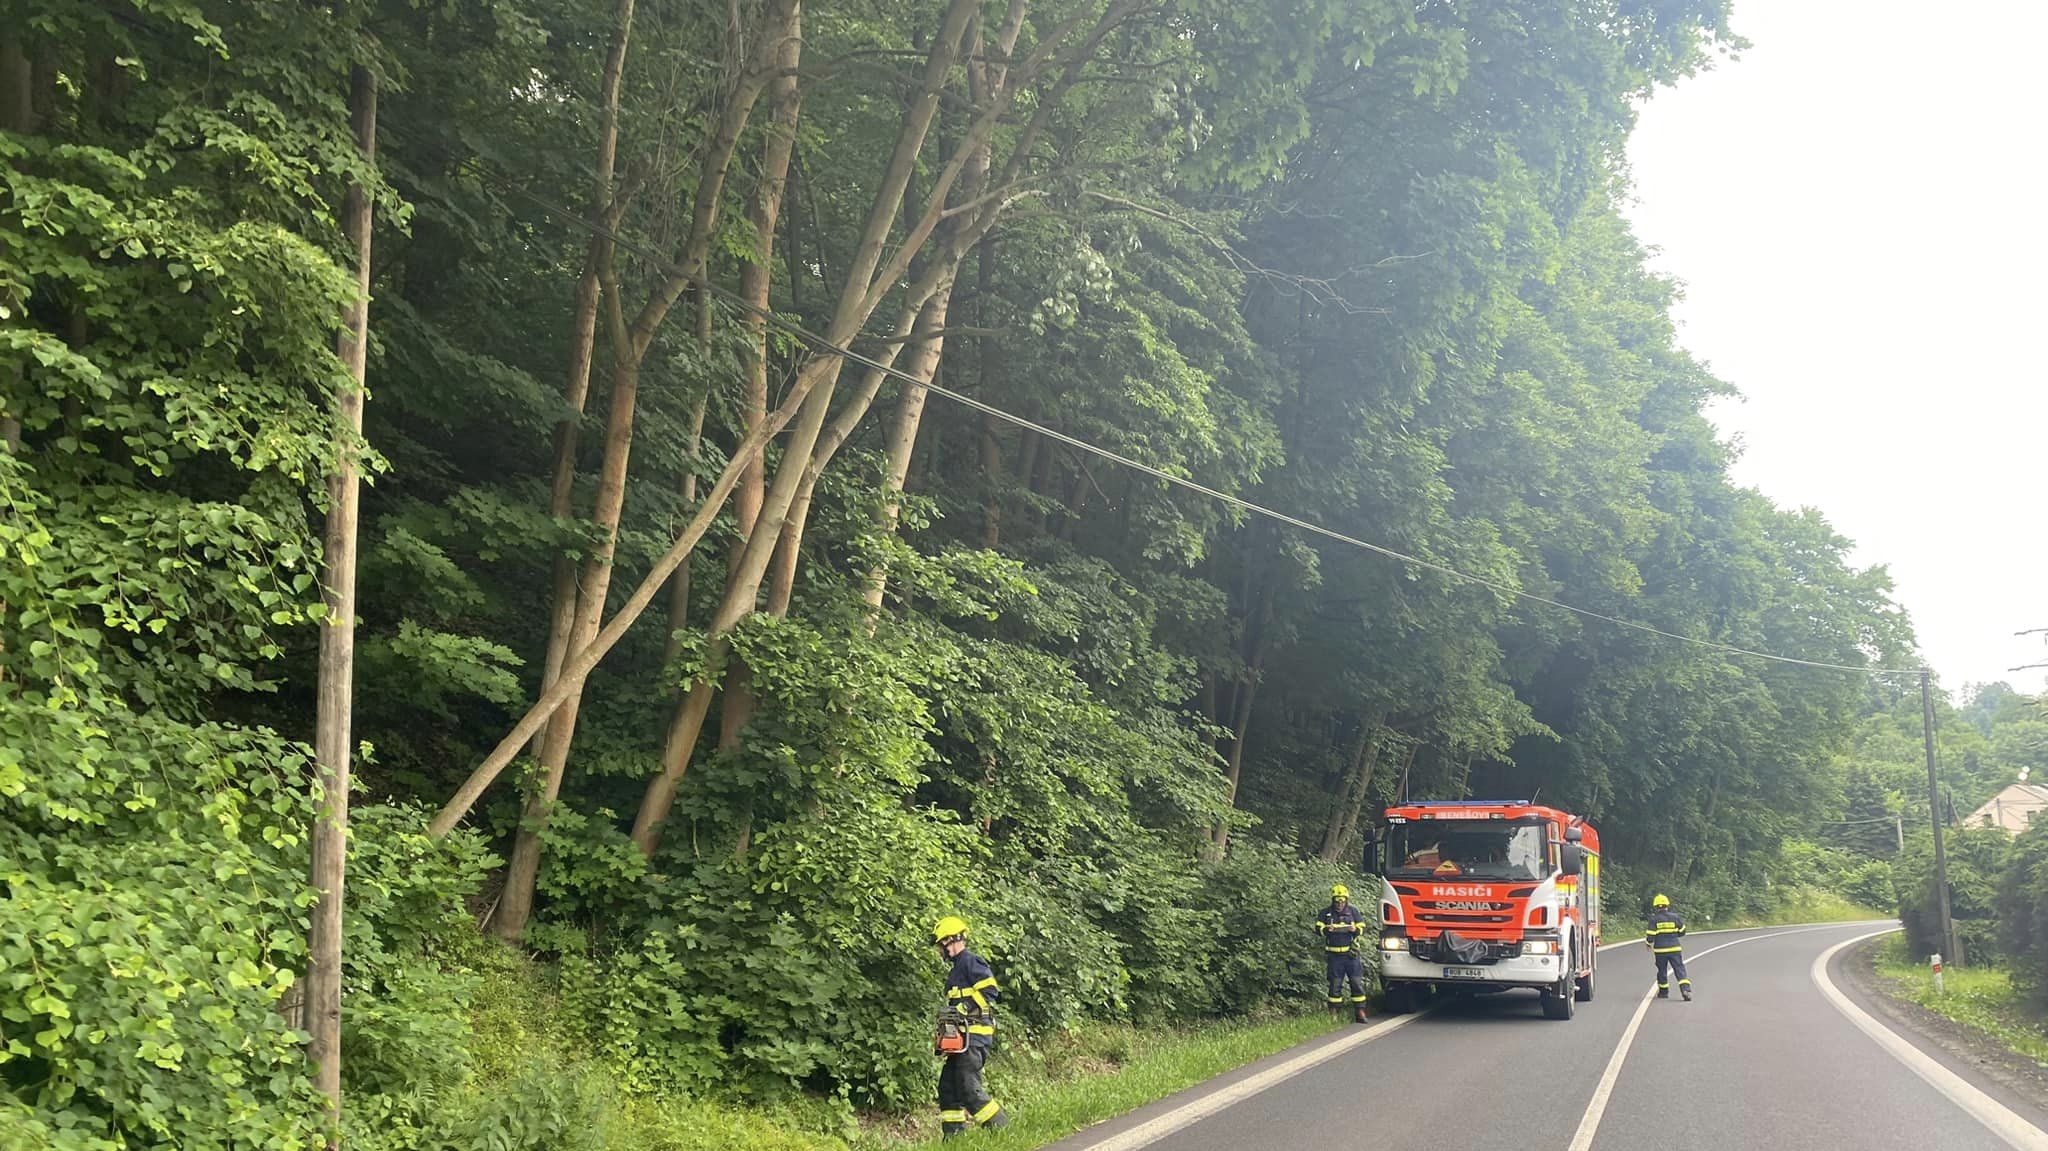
(1666, 950)
(985, 984)
(956, 1115)
(1344, 950)
(980, 1029)
(978, 1000)
(987, 1113)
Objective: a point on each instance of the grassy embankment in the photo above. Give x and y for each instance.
(1979, 998)
(1053, 1087)
(1806, 906)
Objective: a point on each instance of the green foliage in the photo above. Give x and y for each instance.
(2023, 914)
(151, 883)
(1977, 862)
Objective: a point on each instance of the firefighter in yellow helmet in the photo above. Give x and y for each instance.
(1664, 932)
(1343, 932)
(966, 1033)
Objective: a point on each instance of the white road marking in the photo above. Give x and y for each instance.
(1589, 1123)
(1161, 1126)
(2002, 1120)
(1596, 1108)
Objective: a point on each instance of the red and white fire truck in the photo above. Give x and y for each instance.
(1487, 895)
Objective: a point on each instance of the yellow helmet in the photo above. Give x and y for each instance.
(1660, 900)
(950, 927)
(1340, 892)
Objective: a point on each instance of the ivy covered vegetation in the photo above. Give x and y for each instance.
(825, 654)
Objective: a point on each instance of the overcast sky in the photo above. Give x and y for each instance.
(1856, 208)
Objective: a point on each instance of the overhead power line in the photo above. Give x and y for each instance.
(820, 344)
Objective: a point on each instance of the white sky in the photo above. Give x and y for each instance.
(1856, 209)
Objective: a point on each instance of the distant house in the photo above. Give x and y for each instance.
(2012, 809)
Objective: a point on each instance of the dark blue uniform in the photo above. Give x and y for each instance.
(972, 991)
(1343, 931)
(1664, 931)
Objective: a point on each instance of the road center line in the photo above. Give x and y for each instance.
(2002, 1120)
(1589, 1123)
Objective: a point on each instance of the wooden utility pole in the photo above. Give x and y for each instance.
(335, 696)
(1948, 927)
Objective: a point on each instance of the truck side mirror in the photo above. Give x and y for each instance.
(1571, 859)
(1371, 862)
(1574, 833)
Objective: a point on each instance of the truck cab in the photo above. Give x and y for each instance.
(1487, 895)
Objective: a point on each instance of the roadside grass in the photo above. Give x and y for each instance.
(1064, 1083)
(1980, 998)
(525, 1062)
(1805, 906)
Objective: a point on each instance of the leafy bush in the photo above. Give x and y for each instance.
(2023, 913)
(1977, 859)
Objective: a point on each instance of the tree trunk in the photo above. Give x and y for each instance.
(985, 369)
(629, 349)
(786, 103)
(1357, 786)
(334, 695)
(1234, 767)
(755, 280)
(1247, 691)
(516, 902)
(17, 115)
(583, 341)
(903, 433)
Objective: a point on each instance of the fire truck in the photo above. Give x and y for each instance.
(1487, 896)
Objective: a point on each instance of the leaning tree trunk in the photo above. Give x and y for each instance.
(630, 345)
(334, 695)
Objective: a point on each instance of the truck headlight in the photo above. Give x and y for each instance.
(1540, 947)
(1393, 943)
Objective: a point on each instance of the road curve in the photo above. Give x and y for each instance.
(1762, 1059)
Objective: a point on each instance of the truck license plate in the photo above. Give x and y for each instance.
(1465, 973)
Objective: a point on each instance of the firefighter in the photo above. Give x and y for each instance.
(971, 994)
(1663, 933)
(1343, 932)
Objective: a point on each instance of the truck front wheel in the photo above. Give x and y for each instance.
(1400, 998)
(1558, 1000)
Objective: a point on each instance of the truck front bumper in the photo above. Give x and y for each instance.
(1521, 971)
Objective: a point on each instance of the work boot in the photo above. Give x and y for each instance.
(1663, 993)
(1361, 1016)
(1687, 992)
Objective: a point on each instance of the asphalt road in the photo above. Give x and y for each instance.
(1761, 1059)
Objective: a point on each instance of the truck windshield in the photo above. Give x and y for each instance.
(1468, 849)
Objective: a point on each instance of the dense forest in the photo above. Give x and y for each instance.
(543, 420)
